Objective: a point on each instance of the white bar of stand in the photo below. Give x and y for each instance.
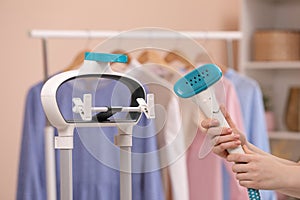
(50, 163)
(125, 177)
(124, 141)
(66, 179)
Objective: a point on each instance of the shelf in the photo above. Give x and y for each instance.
(272, 65)
(279, 135)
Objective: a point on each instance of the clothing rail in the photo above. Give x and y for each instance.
(216, 35)
(44, 35)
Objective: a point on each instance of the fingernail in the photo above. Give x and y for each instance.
(238, 142)
(236, 136)
(214, 121)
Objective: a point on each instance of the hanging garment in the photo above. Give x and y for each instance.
(250, 97)
(251, 102)
(92, 178)
(205, 175)
(230, 185)
(168, 121)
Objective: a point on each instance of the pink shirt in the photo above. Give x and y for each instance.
(205, 175)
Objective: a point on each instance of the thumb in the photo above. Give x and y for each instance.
(227, 116)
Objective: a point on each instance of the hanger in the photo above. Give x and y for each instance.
(224, 68)
(121, 51)
(205, 58)
(151, 56)
(175, 55)
(77, 60)
(121, 67)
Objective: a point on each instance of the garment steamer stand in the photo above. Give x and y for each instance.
(96, 65)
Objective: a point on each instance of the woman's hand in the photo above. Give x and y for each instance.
(223, 138)
(258, 171)
(254, 169)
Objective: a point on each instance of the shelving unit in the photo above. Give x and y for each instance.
(275, 78)
(284, 135)
(268, 65)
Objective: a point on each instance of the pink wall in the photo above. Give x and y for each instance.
(21, 63)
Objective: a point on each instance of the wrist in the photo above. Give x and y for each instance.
(290, 177)
(290, 180)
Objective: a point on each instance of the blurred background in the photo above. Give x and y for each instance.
(21, 56)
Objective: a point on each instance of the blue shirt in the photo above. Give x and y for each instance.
(93, 178)
(252, 108)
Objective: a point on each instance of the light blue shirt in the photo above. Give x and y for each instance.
(251, 101)
(92, 178)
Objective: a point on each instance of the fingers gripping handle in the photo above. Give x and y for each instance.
(223, 123)
(208, 103)
(253, 194)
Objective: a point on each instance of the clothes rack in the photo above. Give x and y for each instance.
(45, 35)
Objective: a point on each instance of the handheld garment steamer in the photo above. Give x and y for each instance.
(196, 84)
(96, 65)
